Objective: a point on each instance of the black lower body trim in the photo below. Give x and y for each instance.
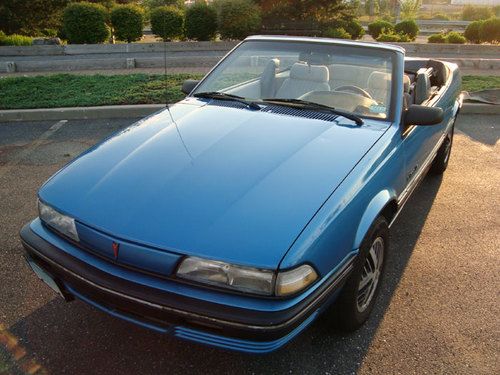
(165, 309)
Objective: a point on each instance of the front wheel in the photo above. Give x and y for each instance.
(359, 294)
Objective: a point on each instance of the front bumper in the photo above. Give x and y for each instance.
(183, 317)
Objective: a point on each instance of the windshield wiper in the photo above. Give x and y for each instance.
(224, 96)
(305, 104)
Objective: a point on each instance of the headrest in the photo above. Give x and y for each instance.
(275, 62)
(316, 73)
(379, 81)
(406, 83)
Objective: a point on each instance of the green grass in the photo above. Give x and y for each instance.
(476, 83)
(68, 90)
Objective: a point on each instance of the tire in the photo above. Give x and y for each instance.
(352, 309)
(442, 158)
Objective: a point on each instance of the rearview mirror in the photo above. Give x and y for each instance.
(189, 86)
(422, 115)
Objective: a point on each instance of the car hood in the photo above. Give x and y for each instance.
(225, 183)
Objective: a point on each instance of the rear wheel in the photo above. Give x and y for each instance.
(442, 158)
(359, 294)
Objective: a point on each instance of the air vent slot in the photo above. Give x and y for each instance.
(289, 111)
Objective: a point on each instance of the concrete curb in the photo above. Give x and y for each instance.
(80, 113)
(142, 110)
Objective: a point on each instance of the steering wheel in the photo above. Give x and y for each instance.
(355, 90)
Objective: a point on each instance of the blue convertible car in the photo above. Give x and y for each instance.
(241, 213)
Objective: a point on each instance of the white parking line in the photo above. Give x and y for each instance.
(28, 150)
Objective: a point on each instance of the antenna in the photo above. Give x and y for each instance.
(166, 92)
(165, 64)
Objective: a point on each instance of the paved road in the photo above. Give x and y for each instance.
(438, 312)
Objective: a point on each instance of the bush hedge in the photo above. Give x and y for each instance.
(85, 23)
(408, 27)
(15, 40)
(388, 36)
(128, 22)
(454, 37)
(338, 33)
(201, 22)
(376, 28)
(167, 22)
(490, 30)
(472, 32)
(238, 18)
(436, 38)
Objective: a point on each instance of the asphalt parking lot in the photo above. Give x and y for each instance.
(438, 312)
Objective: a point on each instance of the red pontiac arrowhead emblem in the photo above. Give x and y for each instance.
(116, 247)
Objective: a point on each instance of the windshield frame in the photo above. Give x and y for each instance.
(396, 63)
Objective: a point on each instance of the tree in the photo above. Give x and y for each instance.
(24, 16)
(316, 10)
(128, 22)
(85, 23)
(201, 22)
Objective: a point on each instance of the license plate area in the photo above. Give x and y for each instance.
(45, 277)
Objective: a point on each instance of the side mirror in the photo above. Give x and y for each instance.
(422, 115)
(189, 86)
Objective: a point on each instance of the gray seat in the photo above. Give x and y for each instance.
(379, 86)
(268, 79)
(304, 78)
(422, 86)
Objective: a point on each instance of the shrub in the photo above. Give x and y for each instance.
(474, 13)
(354, 28)
(490, 30)
(376, 28)
(128, 22)
(437, 38)
(337, 32)
(408, 27)
(201, 22)
(238, 18)
(85, 23)
(15, 40)
(455, 38)
(388, 36)
(472, 32)
(167, 22)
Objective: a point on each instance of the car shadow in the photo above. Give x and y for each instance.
(76, 338)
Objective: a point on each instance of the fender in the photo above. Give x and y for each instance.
(373, 210)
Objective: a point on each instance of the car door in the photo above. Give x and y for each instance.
(421, 142)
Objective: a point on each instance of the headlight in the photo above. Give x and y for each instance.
(246, 279)
(61, 223)
(226, 275)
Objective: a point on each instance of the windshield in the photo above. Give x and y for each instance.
(348, 78)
